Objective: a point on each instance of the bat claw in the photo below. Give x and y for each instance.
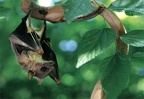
(40, 51)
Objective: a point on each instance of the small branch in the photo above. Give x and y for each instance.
(55, 14)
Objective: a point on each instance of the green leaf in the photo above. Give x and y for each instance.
(139, 55)
(4, 11)
(131, 7)
(134, 38)
(93, 43)
(114, 71)
(138, 59)
(76, 8)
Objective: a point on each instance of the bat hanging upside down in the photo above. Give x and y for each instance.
(34, 52)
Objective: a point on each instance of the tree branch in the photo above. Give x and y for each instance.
(55, 14)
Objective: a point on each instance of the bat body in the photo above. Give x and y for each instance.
(34, 52)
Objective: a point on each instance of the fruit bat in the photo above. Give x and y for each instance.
(34, 52)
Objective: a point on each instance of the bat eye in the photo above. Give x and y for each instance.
(44, 69)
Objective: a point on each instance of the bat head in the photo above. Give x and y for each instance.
(34, 52)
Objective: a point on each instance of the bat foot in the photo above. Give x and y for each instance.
(40, 51)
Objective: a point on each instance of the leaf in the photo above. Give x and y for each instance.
(131, 7)
(138, 59)
(134, 38)
(115, 74)
(93, 43)
(76, 8)
(139, 55)
(4, 11)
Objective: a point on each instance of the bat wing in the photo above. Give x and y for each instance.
(33, 50)
(50, 55)
(21, 39)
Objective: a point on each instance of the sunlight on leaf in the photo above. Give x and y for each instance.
(131, 7)
(93, 43)
(86, 57)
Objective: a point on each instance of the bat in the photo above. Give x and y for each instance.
(33, 51)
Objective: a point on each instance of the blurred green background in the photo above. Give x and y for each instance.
(76, 83)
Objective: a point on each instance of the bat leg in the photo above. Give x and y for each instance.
(41, 32)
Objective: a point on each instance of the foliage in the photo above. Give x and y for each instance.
(93, 43)
(134, 38)
(121, 75)
(130, 7)
(77, 8)
(115, 73)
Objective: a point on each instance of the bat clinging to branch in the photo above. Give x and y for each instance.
(34, 52)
